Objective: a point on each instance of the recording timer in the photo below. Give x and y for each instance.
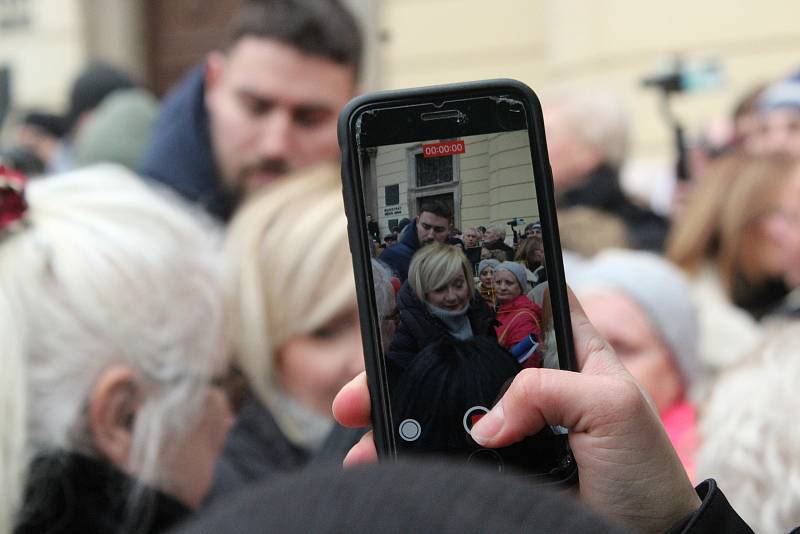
(446, 148)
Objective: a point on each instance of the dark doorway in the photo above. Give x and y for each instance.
(181, 33)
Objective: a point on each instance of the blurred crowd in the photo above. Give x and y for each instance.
(178, 307)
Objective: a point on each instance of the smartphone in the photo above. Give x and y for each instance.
(460, 174)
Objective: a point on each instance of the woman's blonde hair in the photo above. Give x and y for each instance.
(289, 273)
(435, 265)
(718, 221)
(103, 271)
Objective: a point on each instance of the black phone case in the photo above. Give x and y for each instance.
(359, 240)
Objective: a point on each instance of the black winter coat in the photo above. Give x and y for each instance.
(257, 449)
(179, 153)
(398, 256)
(601, 191)
(70, 493)
(419, 328)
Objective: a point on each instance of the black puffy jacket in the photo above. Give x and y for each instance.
(419, 328)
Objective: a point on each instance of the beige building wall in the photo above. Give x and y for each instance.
(61, 36)
(511, 191)
(610, 43)
(474, 167)
(492, 181)
(45, 53)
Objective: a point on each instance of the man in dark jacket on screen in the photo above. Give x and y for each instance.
(432, 224)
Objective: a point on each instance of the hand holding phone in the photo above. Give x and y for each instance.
(628, 470)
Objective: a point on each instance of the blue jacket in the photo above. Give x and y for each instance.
(398, 256)
(179, 153)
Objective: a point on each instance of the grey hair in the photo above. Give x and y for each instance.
(384, 296)
(749, 443)
(436, 265)
(499, 229)
(384, 293)
(598, 117)
(106, 271)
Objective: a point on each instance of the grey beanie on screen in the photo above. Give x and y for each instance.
(659, 289)
(491, 262)
(517, 270)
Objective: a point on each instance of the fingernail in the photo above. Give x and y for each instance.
(489, 425)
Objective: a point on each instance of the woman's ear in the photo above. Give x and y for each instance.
(113, 405)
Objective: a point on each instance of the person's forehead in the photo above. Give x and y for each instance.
(270, 69)
(505, 275)
(781, 116)
(614, 313)
(433, 219)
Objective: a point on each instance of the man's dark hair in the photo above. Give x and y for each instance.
(437, 207)
(322, 28)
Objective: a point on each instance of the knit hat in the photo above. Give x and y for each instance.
(119, 129)
(491, 262)
(535, 225)
(517, 270)
(397, 497)
(659, 289)
(49, 122)
(91, 87)
(782, 94)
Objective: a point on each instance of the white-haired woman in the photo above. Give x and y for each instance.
(112, 330)
(750, 443)
(437, 300)
(295, 328)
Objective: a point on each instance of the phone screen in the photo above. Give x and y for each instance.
(454, 205)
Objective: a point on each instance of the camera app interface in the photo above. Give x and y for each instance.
(464, 304)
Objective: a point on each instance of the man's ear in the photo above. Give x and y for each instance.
(113, 405)
(215, 65)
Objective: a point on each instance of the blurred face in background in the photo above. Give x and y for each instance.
(487, 277)
(506, 287)
(272, 109)
(778, 132)
(314, 367)
(534, 232)
(626, 326)
(471, 238)
(766, 240)
(784, 228)
(432, 227)
(453, 296)
(570, 157)
(491, 236)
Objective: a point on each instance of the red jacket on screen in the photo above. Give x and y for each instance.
(518, 319)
